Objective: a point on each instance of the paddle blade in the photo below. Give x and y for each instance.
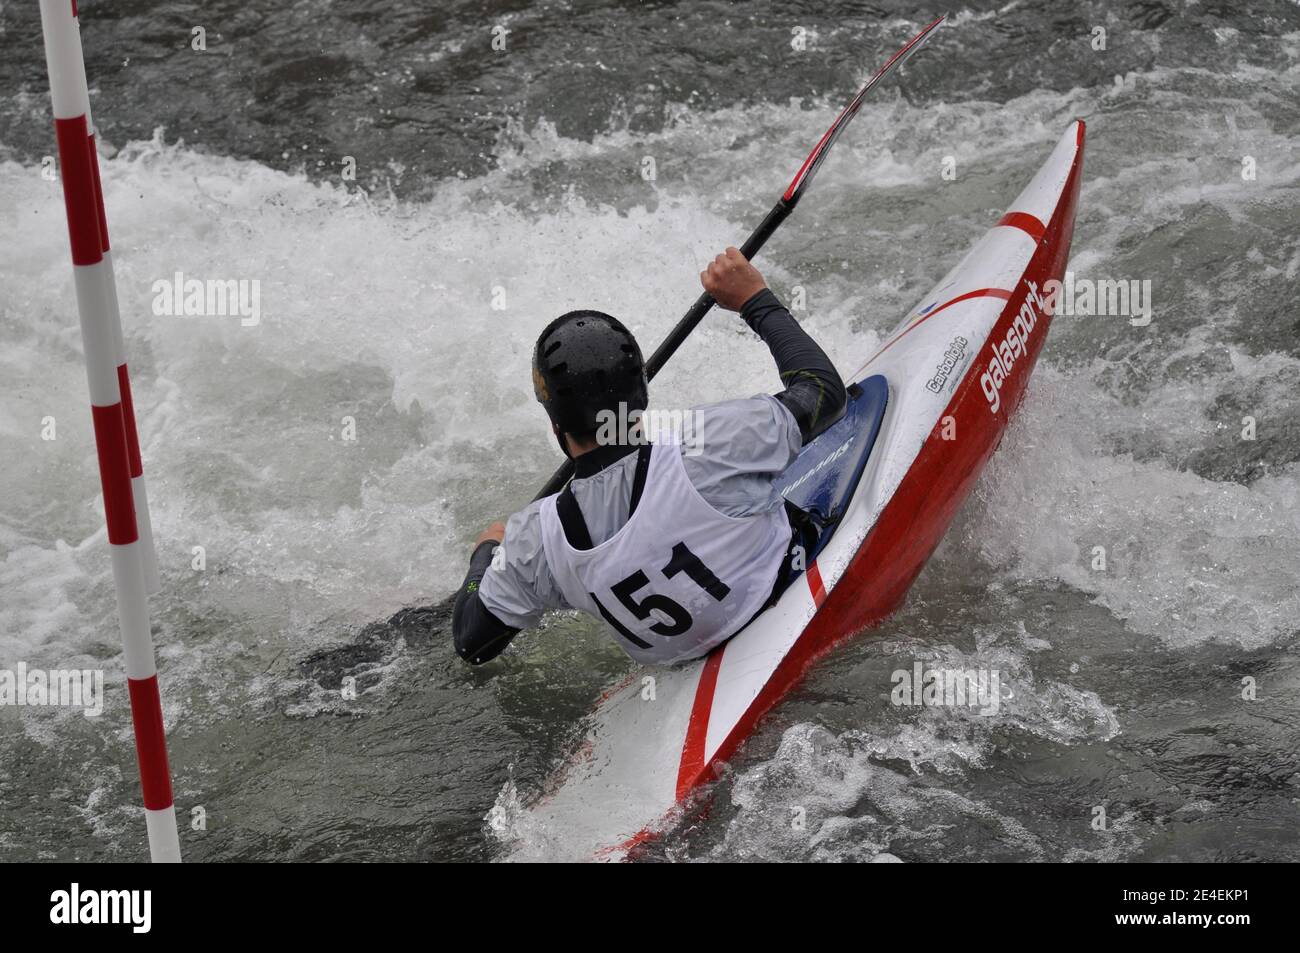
(803, 178)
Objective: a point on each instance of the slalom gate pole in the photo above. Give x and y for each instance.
(111, 412)
(139, 494)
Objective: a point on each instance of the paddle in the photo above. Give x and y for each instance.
(758, 238)
(780, 212)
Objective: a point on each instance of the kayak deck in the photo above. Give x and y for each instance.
(823, 477)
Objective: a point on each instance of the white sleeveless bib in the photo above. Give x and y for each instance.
(679, 577)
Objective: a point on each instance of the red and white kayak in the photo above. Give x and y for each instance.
(926, 412)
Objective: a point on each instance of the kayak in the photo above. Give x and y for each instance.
(925, 413)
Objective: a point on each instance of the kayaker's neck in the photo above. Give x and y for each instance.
(598, 456)
(580, 445)
(589, 455)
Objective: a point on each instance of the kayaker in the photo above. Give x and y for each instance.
(675, 543)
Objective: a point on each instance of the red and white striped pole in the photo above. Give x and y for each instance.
(102, 341)
(139, 495)
(152, 582)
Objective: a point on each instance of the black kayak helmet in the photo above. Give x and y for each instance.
(586, 362)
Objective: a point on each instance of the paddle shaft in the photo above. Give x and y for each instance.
(779, 213)
(702, 306)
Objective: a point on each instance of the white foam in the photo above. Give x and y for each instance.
(1188, 560)
(382, 310)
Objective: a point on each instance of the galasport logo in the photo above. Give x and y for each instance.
(951, 358)
(1006, 352)
(78, 906)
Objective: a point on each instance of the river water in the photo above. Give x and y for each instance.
(518, 173)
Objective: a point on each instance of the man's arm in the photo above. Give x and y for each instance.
(814, 393)
(508, 589)
(479, 635)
